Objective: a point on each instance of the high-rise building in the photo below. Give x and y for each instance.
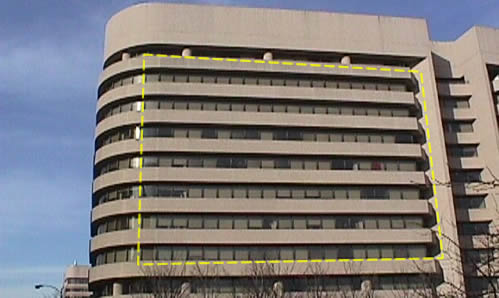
(75, 283)
(250, 151)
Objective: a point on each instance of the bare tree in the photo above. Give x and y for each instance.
(263, 281)
(162, 281)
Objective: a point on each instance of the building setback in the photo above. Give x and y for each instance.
(352, 143)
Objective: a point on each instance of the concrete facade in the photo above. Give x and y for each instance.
(266, 161)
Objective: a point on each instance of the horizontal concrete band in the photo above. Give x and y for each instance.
(462, 138)
(263, 176)
(259, 206)
(245, 91)
(466, 163)
(276, 148)
(155, 62)
(257, 119)
(445, 89)
(262, 237)
(131, 270)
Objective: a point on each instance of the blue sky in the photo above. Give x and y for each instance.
(50, 59)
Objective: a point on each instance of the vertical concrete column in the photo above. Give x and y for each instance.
(267, 56)
(125, 56)
(346, 60)
(117, 289)
(186, 52)
(185, 290)
(278, 289)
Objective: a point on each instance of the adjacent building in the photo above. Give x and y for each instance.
(75, 283)
(250, 152)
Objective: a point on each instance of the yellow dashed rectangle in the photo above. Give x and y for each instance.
(148, 55)
(162, 55)
(288, 261)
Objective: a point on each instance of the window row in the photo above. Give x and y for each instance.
(456, 103)
(462, 150)
(458, 126)
(471, 202)
(257, 163)
(209, 104)
(257, 192)
(249, 287)
(314, 252)
(127, 133)
(259, 79)
(474, 228)
(480, 256)
(466, 176)
(243, 222)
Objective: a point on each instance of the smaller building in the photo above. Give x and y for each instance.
(75, 283)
